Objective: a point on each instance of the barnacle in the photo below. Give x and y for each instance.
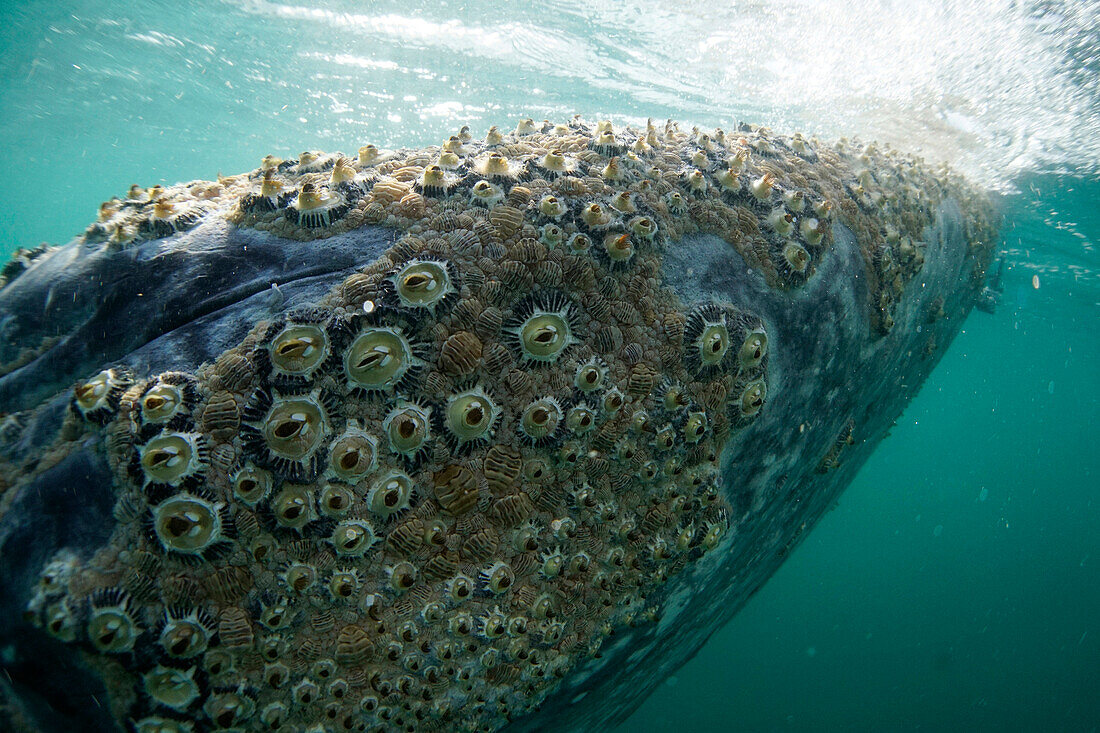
(459, 588)
(762, 187)
(781, 221)
(436, 179)
(795, 257)
(186, 633)
(390, 494)
(579, 242)
(422, 284)
(556, 163)
(111, 626)
(317, 208)
(706, 338)
(595, 216)
(496, 165)
(752, 398)
(470, 415)
(611, 401)
(580, 419)
(675, 202)
(296, 352)
(402, 576)
(551, 235)
(368, 155)
(728, 180)
(293, 507)
(695, 427)
(544, 328)
(486, 193)
(170, 396)
(171, 687)
(230, 708)
(540, 419)
(344, 584)
(353, 537)
(251, 485)
(753, 349)
(497, 578)
(619, 248)
(96, 400)
(299, 577)
(287, 433)
(170, 458)
(408, 428)
(643, 227)
(335, 500)
(354, 454)
(552, 207)
(188, 524)
(379, 358)
(590, 375)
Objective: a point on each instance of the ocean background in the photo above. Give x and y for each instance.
(957, 583)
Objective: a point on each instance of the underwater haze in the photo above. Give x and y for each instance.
(957, 583)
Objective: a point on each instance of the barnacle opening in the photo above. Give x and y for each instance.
(390, 494)
(408, 428)
(169, 458)
(96, 399)
(112, 628)
(753, 349)
(753, 397)
(378, 359)
(544, 332)
(299, 349)
(352, 538)
(187, 524)
(422, 283)
(289, 435)
(173, 688)
(251, 484)
(541, 418)
(471, 415)
(293, 507)
(187, 635)
(354, 455)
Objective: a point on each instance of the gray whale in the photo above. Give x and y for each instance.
(491, 435)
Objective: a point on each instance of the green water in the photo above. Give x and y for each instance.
(956, 584)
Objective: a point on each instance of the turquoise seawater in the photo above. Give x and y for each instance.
(957, 583)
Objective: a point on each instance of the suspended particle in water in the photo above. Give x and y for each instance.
(983, 495)
(938, 530)
(1035, 281)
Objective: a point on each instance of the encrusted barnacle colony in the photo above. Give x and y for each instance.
(419, 501)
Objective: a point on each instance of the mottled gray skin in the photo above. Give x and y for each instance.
(172, 304)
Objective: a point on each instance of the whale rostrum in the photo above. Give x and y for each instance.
(480, 436)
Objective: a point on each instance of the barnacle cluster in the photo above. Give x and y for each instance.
(419, 502)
